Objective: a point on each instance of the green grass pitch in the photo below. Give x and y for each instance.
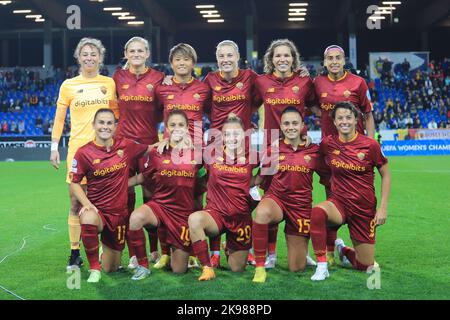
(412, 248)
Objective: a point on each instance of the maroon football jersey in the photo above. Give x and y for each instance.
(107, 173)
(278, 93)
(193, 98)
(139, 112)
(350, 88)
(237, 96)
(174, 176)
(229, 185)
(293, 178)
(352, 169)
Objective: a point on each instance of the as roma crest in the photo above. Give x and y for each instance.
(239, 85)
(217, 88)
(336, 152)
(324, 94)
(347, 93)
(361, 156)
(125, 86)
(295, 89)
(149, 87)
(120, 153)
(196, 96)
(307, 158)
(104, 90)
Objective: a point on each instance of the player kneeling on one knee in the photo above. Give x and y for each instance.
(105, 163)
(351, 158)
(289, 196)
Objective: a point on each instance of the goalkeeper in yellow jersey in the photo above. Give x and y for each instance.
(83, 95)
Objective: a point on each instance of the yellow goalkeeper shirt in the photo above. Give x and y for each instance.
(84, 96)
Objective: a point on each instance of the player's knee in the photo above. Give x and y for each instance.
(136, 220)
(238, 267)
(262, 214)
(89, 217)
(179, 269)
(297, 267)
(195, 221)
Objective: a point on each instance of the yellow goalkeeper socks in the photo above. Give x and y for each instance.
(74, 232)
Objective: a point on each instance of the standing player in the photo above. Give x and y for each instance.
(279, 87)
(185, 93)
(174, 172)
(83, 95)
(105, 163)
(289, 196)
(228, 201)
(190, 96)
(232, 91)
(139, 115)
(340, 85)
(352, 158)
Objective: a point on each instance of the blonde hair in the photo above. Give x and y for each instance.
(92, 42)
(233, 118)
(228, 43)
(268, 56)
(135, 39)
(185, 50)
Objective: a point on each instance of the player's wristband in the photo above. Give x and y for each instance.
(54, 146)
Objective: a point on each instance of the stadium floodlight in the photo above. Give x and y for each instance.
(298, 9)
(298, 4)
(112, 9)
(136, 22)
(392, 2)
(120, 14)
(296, 19)
(40, 20)
(377, 18)
(22, 11)
(211, 16)
(33, 16)
(127, 18)
(215, 20)
(297, 13)
(5, 2)
(205, 6)
(209, 11)
(387, 8)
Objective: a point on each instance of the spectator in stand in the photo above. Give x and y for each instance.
(417, 124)
(408, 121)
(432, 124)
(39, 122)
(21, 127)
(5, 127)
(441, 125)
(382, 125)
(13, 127)
(406, 66)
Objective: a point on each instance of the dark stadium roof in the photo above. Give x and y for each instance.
(173, 15)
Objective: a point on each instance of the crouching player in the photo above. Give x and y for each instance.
(289, 196)
(174, 173)
(352, 158)
(105, 164)
(228, 202)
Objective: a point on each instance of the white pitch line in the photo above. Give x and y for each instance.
(12, 293)
(8, 255)
(20, 249)
(46, 227)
